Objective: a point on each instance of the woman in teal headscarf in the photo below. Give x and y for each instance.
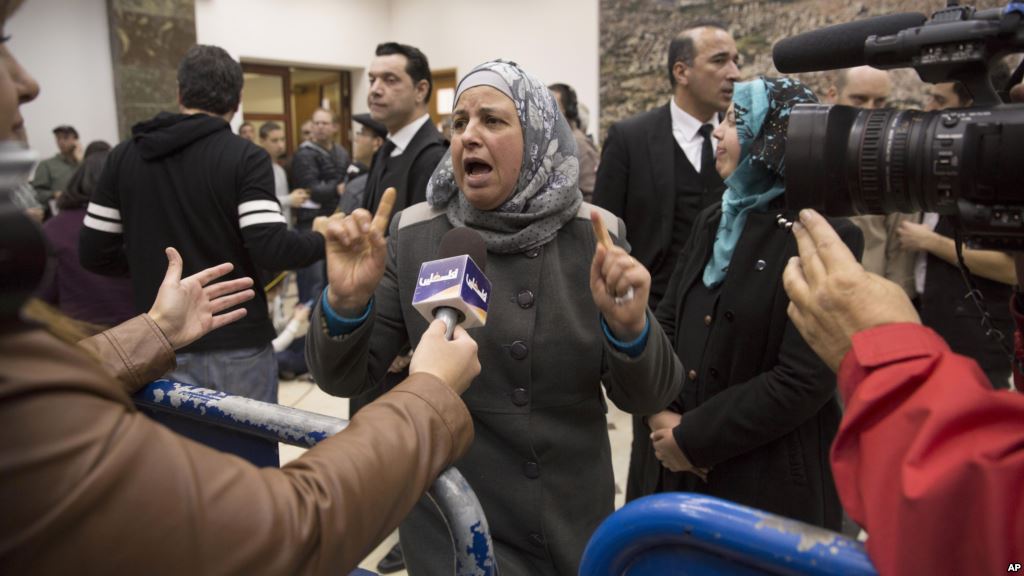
(758, 409)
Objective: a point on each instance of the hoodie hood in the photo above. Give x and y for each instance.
(166, 133)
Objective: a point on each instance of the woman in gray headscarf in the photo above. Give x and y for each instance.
(541, 462)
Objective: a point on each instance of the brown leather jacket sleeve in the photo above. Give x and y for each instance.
(92, 486)
(320, 514)
(135, 352)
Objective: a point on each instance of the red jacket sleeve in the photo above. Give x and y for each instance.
(929, 458)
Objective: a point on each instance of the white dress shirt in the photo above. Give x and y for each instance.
(405, 134)
(686, 131)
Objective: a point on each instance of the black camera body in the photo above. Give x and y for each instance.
(966, 162)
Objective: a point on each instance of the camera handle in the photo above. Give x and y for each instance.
(974, 295)
(957, 43)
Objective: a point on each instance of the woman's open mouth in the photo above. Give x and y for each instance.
(477, 171)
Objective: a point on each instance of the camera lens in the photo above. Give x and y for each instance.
(844, 161)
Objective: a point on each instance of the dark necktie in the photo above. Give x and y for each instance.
(375, 182)
(707, 152)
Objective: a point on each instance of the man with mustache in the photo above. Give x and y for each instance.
(657, 173)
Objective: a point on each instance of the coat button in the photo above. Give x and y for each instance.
(518, 350)
(729, 315)
(536, 539)
(531, 470)
(520, 397)
(760, 265)
(692, 374)
(524, 299)
(707, 320)
(533, 252)
(713, 373)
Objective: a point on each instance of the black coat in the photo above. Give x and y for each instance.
(408, 172)
(945, 309)
(762, 410)
(319, 171)
(636, 181)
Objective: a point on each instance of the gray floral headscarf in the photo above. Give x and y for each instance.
(547, 193)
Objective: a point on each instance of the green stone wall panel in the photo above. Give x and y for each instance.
(147, 40)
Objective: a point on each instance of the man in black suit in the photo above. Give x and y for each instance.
(657, 173)
(400, 88)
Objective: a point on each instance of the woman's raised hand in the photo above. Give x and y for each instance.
(356, 256)
(619, 284)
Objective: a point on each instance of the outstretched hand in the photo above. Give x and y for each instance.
(188, 309)
(619, 285)
(831, 296)
(356, 255)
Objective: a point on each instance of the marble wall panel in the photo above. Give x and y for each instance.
(147, 40)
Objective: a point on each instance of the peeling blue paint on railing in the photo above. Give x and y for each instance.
(458, 503)
(708, 535)
(471, 536)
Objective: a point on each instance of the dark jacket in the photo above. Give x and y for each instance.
(761, 408)
(636, 181)
(409, 172)
(355, 188)
(541, 461)
(190, 183)
(319, 171)
(956, 318)
(77, 292)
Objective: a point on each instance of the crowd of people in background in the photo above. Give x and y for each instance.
(688, 323)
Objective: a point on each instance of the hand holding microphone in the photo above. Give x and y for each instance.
(454, 362)
(356, 256)
(619, 285)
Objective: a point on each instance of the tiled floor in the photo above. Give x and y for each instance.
(305, 395)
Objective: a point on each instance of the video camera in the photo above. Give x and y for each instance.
(967, 162)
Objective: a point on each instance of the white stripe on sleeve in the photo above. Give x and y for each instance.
(103, 212)
(258, 206)
(102, 225)
(260, 218)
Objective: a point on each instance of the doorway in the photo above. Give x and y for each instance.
(288, 95)
(443, 100)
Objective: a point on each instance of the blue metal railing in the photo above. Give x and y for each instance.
(676, 533)
(256, 428)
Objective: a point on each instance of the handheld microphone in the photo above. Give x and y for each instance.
(453, 287)
(840, 45)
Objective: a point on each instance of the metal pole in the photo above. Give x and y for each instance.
(465, 518)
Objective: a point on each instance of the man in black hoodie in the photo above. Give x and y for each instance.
(185, 180)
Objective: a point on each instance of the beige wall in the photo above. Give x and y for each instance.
(66, 46)
(555, 40)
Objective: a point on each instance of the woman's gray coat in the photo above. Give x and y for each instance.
(541, 462)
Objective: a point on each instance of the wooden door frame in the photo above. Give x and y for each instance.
(286, 86)
(435, 116)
